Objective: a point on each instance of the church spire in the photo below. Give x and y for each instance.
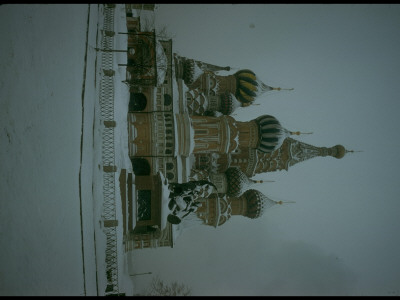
(298, 132)
(281, 89)
(300, 151)
(292, 152)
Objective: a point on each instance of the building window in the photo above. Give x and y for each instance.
(168, 151)
(170, 166)
(201, 131)
(167, 99)
(137, 102)
(144, 205)
(170, 175)
(204, 159)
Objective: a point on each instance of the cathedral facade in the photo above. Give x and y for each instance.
(181, 130)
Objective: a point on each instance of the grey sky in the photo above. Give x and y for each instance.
(341, 236)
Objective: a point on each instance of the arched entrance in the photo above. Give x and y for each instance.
(140, 166)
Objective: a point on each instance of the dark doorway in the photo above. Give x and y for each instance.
(140, 166)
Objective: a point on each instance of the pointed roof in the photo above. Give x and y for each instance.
(299, 151)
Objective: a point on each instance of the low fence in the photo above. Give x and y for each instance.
(108, 159)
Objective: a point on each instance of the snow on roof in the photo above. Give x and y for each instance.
(175, 90)
(179, 168)
(187, 223)
(162, 63)
(164, 200)
(176, 140)
(191, 137)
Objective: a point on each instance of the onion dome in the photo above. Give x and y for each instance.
(238, 182)
(191, 71)
(229, 103)
(271, 133)
(257, 203)
(248, 86)
(338, 151)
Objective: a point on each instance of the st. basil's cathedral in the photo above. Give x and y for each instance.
(182, 134)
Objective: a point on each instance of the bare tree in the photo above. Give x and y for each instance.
(159, 288)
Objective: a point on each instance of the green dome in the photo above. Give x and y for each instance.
(271, 133)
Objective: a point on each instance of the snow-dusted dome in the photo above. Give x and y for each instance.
(257, 203)
(271, 134)
(238, 182)
(229, 103)
(248, 86)
(191, 71)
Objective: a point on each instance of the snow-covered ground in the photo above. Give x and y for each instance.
(51, 236)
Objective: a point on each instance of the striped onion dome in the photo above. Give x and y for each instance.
(237, 182)
(248, 86)
(257, 203)
(229, 103)
(271, 134)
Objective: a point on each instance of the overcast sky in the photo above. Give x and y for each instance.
(341, 236)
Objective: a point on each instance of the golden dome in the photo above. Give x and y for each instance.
(339, 151)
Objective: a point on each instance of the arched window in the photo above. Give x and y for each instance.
(137, 102)
(204, 159)
(211, 82)
(144, 205)
(140, 166)
(170, 166)
(167, 99)
(170, 175)
(168, 151)
(168, 144)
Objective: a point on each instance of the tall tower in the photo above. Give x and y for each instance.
(224, 134)
(292, 152)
